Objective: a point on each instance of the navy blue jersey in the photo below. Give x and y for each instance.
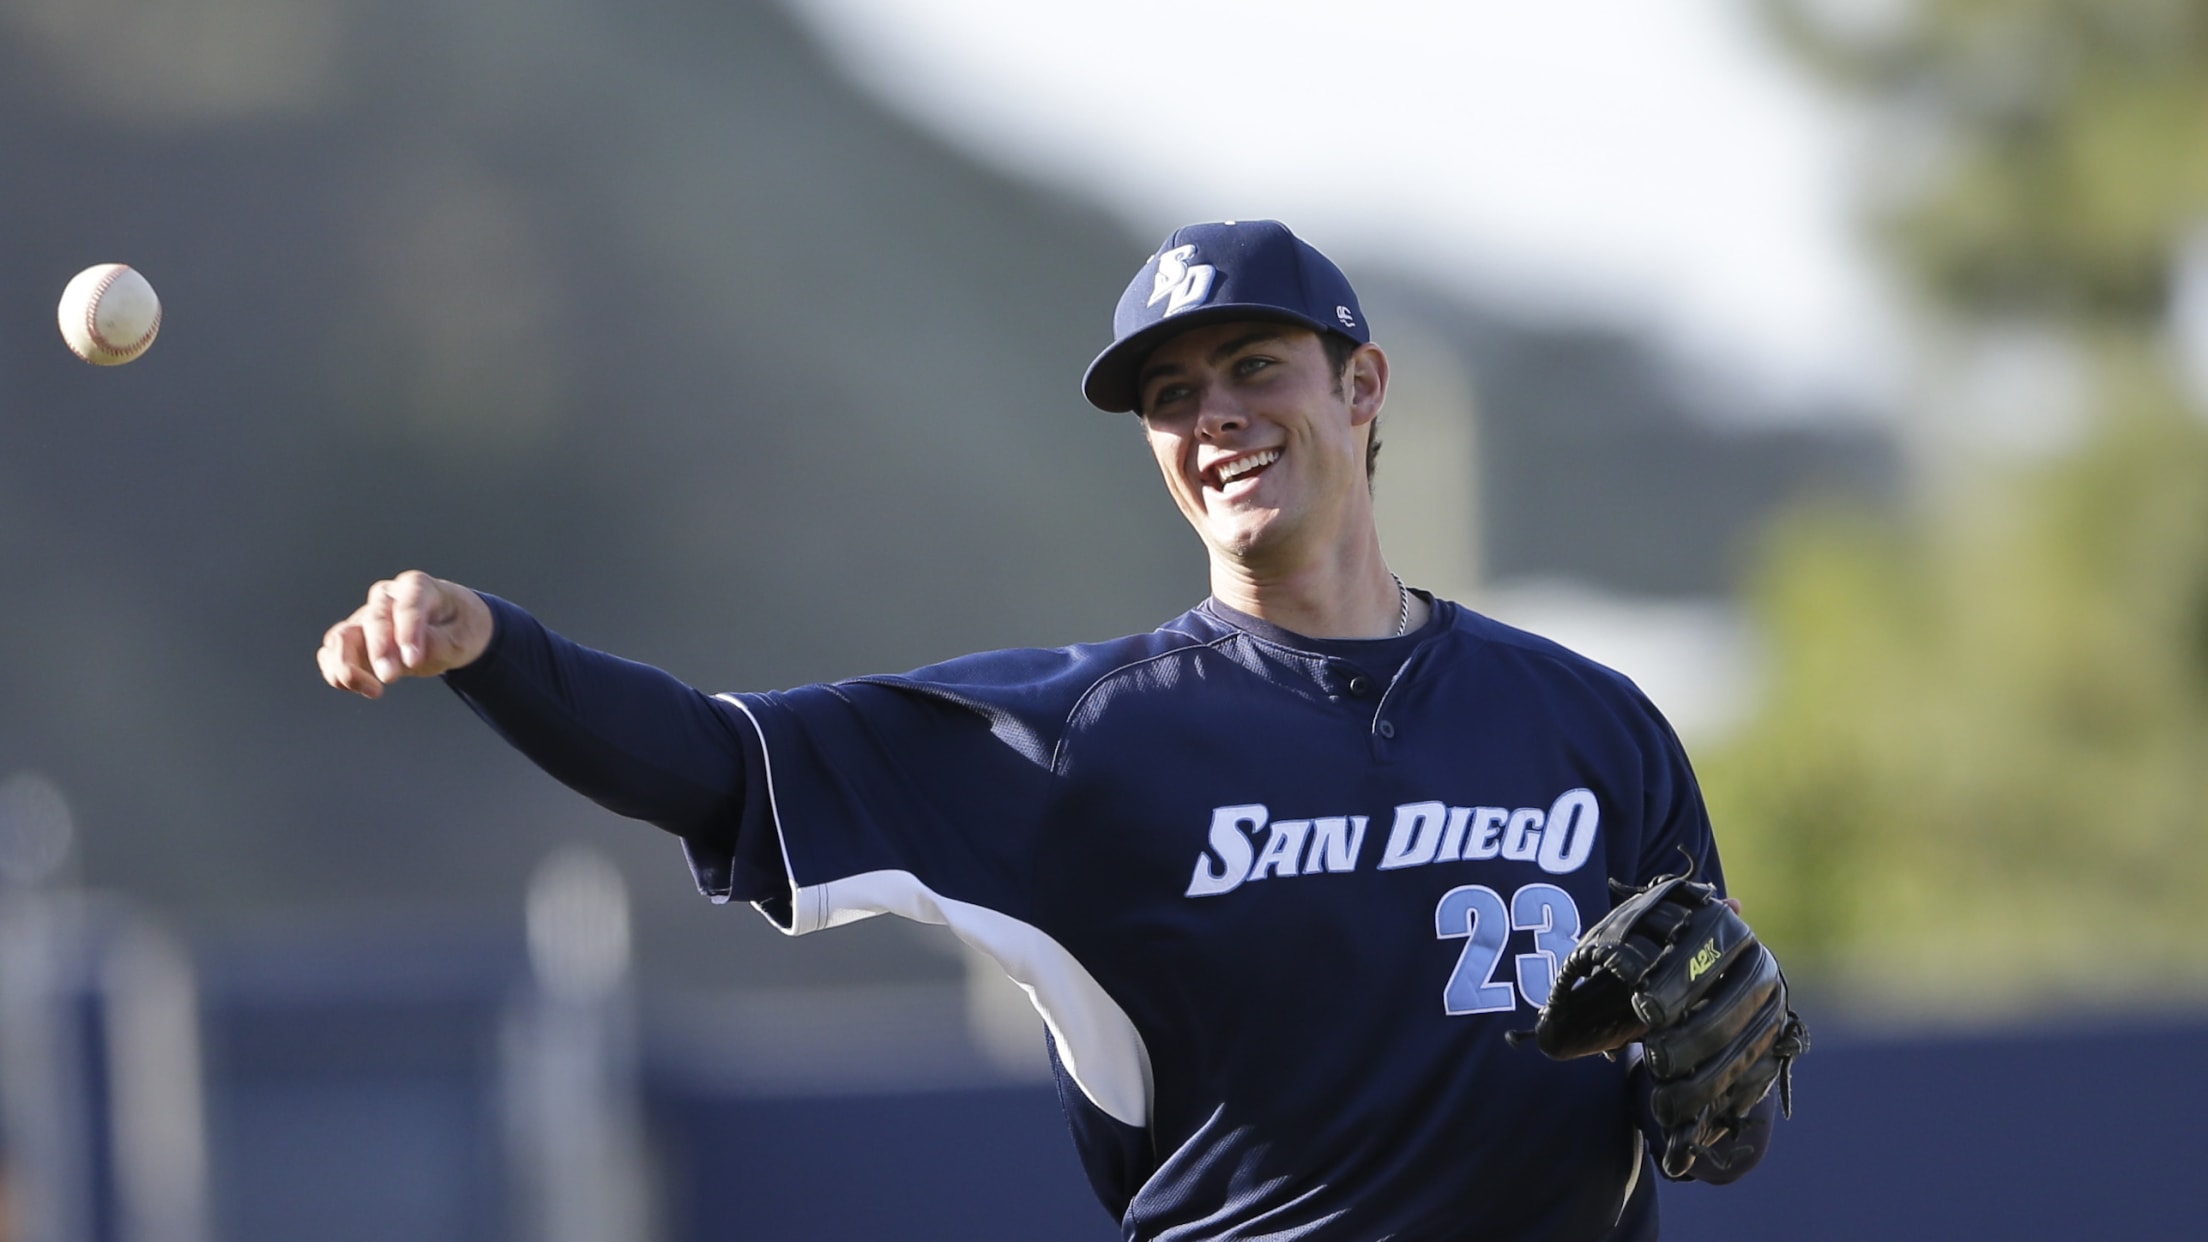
(1278, 901)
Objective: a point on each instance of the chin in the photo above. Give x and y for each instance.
(1240, 542)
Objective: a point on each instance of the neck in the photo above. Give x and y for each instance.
(1348, 596)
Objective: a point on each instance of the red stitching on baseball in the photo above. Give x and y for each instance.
(92, 318)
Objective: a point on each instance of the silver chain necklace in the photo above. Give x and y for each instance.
(1402, 605)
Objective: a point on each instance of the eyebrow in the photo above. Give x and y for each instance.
(1219, 353)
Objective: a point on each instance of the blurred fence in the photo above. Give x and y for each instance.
(497, 1084)
(102, 1132)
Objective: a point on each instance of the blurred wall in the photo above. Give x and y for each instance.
(642, 317)
(636, 316)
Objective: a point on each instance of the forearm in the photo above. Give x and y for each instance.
(630, 737)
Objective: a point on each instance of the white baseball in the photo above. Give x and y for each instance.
(109, 314)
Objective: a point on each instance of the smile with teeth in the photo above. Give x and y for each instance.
(1228, 472)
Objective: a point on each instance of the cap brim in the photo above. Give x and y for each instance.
(1110, 382)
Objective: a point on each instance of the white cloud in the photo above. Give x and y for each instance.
(1653, 163)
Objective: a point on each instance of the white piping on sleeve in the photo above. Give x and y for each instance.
(801, 920)
(1097, 1042)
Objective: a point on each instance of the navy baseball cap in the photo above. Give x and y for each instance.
(1206, 273)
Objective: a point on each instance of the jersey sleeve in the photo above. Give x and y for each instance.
(1676, 835)
(632, 738)
(1600, 719)
(1676, 823)
(889, 796)
(928, 799)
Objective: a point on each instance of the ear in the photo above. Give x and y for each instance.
(1367, 384)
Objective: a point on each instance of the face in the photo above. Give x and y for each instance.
(1262, 449)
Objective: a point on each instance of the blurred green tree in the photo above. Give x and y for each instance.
(1978, 781)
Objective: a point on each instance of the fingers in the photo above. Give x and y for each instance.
(343, 658)
(417, 602)
(412, 625)
(379, 650)
(362, 653)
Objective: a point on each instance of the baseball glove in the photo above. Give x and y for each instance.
(1674, 968)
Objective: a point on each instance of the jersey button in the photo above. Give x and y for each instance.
(1387, 728)
(1360, 686)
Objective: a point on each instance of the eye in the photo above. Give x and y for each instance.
(1167, 394)
(1251, 364)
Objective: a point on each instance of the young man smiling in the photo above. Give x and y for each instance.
(1262, 440)
(1281, 875)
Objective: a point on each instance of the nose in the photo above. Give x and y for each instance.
(1220, 414)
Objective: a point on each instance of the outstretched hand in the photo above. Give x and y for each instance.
(413, 625)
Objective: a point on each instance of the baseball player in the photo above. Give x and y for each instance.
(1282, 875)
